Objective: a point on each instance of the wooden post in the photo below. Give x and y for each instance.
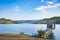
(53, 26)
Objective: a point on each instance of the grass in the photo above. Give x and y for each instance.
(18, 36)
(13, 35)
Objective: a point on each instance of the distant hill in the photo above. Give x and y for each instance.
(45, 21)
(24, 21)
(5, 21)
(41, 21)
(9, 21)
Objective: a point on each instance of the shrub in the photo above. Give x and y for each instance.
(41, 33)
(22, 33)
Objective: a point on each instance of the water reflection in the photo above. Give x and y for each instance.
(52, 36)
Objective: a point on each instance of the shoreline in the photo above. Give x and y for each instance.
(18, 37)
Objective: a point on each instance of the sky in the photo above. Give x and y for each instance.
(29, 9)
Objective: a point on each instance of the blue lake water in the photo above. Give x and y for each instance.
(29, 29)
(18, 28)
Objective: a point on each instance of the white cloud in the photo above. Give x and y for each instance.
(41, 8)
(58, 4)
(53, 6)
(50, 2)
(17, 8)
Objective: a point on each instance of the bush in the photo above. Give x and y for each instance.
(22, 33)
(41, 33)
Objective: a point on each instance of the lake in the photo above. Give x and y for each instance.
(30, 29)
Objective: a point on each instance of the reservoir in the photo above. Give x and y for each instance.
(30, 29)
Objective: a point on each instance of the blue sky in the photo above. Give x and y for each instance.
(29, 9)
